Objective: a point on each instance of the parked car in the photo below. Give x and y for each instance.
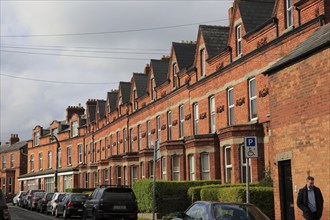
(17, 197)
(20, 199)
(111, 202)
(71, 205)
(42, 203)
(30, 198)
(222, 211)
(52, 204)
(4, 211)
(24, 200)
(35, 199)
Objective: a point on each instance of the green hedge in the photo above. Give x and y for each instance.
(171, 196)
(79, 190)
(262, 197)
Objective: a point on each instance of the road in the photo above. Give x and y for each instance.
(18, 213)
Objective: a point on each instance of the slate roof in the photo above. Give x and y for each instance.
(125, 88)
(112, 99)
(141, 83)
(101, 108)
(160, 70)
(9, 148)
(319, 39)
(45, 132)
(255, 12)
(185, 54)
(215, 38)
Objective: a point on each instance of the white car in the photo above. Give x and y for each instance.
(52, 204)
(17, 198)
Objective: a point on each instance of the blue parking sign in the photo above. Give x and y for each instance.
(251, 148)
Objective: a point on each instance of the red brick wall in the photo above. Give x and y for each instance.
(299, 104)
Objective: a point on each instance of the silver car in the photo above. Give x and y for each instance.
(52, 204)
(17, 198)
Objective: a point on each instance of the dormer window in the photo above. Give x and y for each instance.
(135, 99)
(238, 40)
(289, 13)
(202, 58)
(74, 128)
(153, 89)
(119, 105)
(55, 132)
(36, 138)
(174, 75)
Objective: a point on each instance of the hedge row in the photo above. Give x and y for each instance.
(262, 197)
(79, 190)
(171, 196)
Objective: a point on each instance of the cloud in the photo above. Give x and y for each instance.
(25, 104)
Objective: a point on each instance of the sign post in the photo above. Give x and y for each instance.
(251, 151)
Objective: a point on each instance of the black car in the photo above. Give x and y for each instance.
(71, 205)
(4, 211)
(42, 203)
(222, 211)
(111, 202)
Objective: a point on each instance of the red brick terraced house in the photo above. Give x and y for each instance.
(199, 104)
(13, 163)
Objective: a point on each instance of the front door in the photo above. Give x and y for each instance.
(286, 192)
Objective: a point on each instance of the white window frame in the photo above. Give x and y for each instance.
(238, 40)
(205, 169)
(174, 75)
(118, 142)
(134, 174)
(10, 185)
(36, 138)
(40, 160)
(169, 125)
(131, 140)
(50, 159)
(80, 153)
(159, 129)
(196, 118)
(253, 100)
(181, 115)
(139, 137)
(212, 114)
(231, 106)
(118, 171)
(227, 165)
(148, 134)
(59, 158)
(176, 169)
(202, 60)
(125, 139)
(111, 144)
(191, 161)
(69, 155)
(12, 161)
(74, 127)
(163, 163)
(153, 88)
(142, 170)
(289, 13)
(105, 176)
(32, 162)
(151, 169)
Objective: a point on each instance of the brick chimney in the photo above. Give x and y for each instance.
(230, 13)
(147, 69)
(79, 110)
(13, 139)
(165, 58)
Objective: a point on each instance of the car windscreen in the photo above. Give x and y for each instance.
(61, 196)
(79, 197)
(118, 194)
(22, 195)
(49, 196)
(237, 211)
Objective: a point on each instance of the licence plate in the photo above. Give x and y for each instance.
(119, 207)
(80, 210)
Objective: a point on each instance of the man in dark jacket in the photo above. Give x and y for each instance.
(310, 200)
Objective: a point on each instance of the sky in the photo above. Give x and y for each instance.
(59, 53)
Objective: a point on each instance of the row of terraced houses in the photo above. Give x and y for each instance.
(265, 75)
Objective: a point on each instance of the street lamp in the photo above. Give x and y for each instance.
(52, 138)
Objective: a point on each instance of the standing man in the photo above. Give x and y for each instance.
(310, 200)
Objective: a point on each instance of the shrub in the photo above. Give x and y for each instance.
(79, 190)
(262, 197)
(171, 196)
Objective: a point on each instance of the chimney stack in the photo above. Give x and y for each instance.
(79, 110)
(147, 69)
(13, 139)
